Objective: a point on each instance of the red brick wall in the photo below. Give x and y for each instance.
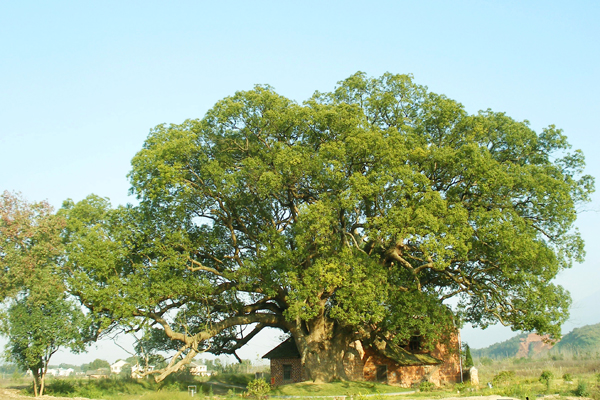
(361, 364)
(447, 372)
(277, 370)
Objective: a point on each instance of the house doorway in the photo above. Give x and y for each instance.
(382, 373)
(287, 372)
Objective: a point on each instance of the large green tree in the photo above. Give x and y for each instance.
(378, 212)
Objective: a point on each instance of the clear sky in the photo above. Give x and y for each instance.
(81, 83)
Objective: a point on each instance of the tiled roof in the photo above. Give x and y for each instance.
(286, 349)
(394, 352)
(404, 357)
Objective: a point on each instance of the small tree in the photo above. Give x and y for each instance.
(546, 378)
(37, 328)
(258, 388)
(468, 357)
(40, 318)
(96, 364)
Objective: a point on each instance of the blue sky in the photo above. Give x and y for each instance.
(81, 83)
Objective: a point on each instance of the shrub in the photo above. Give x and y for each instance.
(515, 391)
(258, 388)
(60, 387)
(582, 390)
(426, 386)
(503, 377)
(567, 377)
(546, 378)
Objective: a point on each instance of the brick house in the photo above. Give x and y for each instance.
(382, 362)
(286, 366)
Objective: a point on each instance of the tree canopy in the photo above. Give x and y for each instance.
(39, 317)
(30, 244)
(37, 329)
(378, 211)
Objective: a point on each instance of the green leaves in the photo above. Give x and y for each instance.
(30, 245)
(367, 208)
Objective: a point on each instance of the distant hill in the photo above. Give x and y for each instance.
(520, 346)
(584, 340)
(506, 349)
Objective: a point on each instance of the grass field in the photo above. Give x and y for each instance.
(335, 389)
(518, 378)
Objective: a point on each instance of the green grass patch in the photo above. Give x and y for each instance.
(334, 389)
(232, 379)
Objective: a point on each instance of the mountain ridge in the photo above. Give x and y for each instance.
(582, 340)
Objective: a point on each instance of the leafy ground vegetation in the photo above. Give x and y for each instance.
(176, 386)
(517, 378)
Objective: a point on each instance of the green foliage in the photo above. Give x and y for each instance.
(236, 379)
(426, 386)
(468, 363)
(30, 246)
(41, 317)
(567, 377)
(503, 377)
(96, 364)
(335, 389)
(580, 341)
(486, 361)
(258, 388)
(61, 387)
(38, 327)
(515, 391)
(9, 368)
(505, 349)
(169, 396)
(582, 390)
(546, 378)
(360, 210)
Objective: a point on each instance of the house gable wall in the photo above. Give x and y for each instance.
(277, 370)
(446, 372)
(361, 364)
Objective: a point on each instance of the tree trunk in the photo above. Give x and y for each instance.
(327, 350)
(36, 375)
(42, 381)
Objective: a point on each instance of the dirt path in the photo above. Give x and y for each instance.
(13, 394)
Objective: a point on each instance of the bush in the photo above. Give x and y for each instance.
(567, 377)
(426, 386)
(503, 377)
(582, 390)
(515, 391)
(258, 388)
(60, 387)
(546, 378)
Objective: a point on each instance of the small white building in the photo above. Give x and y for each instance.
(65, 372)
(117, 367)
(56, 372)
(198, 369)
